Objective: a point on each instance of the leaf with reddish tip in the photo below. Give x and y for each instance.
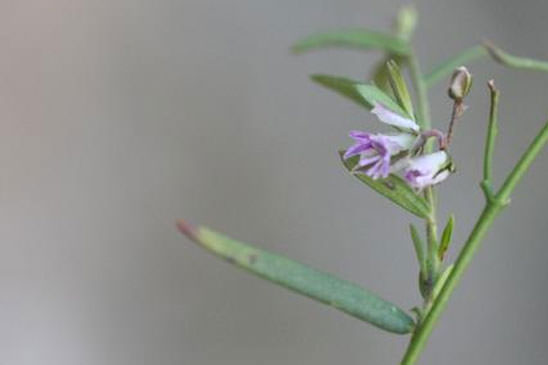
(323, 287)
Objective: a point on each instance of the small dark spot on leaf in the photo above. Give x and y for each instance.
(252, 258)
(390, 185)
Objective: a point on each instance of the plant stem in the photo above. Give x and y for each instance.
(423, 119)
(493, 207)
(423, 112)
(492, 131)
(456, 113)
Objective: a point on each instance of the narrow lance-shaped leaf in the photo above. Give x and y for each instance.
(374, 95)
(393, 187)
(379, 75)
(509, 60)
(399, 87)
(419, 247)
(438, 287)
(446, 237)
(353, 38)
(446, 68)
(363, 94)
(343, 86)
(326, 288)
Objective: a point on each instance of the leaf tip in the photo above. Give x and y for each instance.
(495, 52)
(316, 77)
(187, 229)
(297, 48)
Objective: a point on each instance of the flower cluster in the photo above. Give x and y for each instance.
(384, 154)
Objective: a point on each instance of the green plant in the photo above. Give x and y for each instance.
(404, 166)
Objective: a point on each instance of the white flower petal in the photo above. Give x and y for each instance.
(389, 117)
(403, 140)
(400, 164)
(429, 163)
(428, 180)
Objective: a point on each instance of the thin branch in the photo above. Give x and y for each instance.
(492, 131)
(509, 60)
(423, 112)
(456, 113)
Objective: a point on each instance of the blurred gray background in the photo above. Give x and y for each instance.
(120, 116)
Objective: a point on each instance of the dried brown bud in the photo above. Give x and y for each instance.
(461, 82)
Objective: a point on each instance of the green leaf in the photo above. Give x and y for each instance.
(509, 60)
(446, 68)
(353, 38)
(446, 237)
(380, 77)
(393, 187)
(399, 87)
(343, 86)
(373, 94)
(363, 94)
(323, 287)
(441, 281)
(473, 53)
(437, 289)
(419, 247)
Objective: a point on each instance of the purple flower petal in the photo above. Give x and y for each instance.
(359, 135)
(355, 149)
(366, 161)
(376, 151)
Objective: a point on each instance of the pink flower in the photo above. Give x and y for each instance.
(427, 170)
(376, 150)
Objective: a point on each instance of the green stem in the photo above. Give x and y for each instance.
(492, 131)
(423, 112)
(492, 209)
(423, 119)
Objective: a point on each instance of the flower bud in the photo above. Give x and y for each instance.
(461, 82)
